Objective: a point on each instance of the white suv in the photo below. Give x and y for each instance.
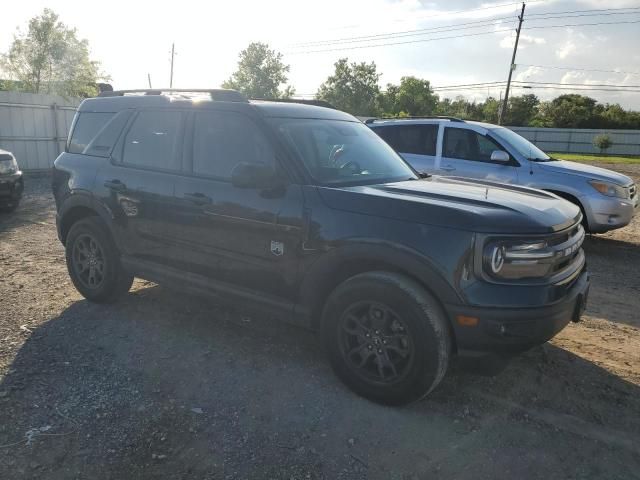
(451, 146)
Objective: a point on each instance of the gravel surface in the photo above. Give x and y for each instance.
(162, 385)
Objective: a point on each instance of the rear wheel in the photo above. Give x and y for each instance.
(386, 337)
(93, 262)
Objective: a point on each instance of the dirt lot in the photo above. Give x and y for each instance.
(167, 386)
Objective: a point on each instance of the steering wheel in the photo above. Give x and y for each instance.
(353, 166)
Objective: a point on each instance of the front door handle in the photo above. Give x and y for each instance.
(198, 198)
(447, 168)
(115, 185)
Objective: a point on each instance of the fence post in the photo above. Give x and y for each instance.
(56, 136)
(569, 141)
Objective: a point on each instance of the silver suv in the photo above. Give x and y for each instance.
(451, 146)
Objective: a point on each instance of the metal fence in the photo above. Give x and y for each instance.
(573, 140)
(34, 126)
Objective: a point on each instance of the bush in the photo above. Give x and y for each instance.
(602, 142)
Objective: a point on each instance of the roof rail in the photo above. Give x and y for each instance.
(317, 103)
(437, 117)
(219, 94)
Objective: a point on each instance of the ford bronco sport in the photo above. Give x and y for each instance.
(303, 212)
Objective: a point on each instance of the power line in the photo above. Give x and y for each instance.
(405, 33)
(579, 84)
(357, 47)
(592, 10)
(581, 69)
(582, 15)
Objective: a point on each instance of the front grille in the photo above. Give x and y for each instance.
(567, 248)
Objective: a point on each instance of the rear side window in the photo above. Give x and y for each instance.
(223, 140)
(417, 139)
(87, 126)
(153, 140)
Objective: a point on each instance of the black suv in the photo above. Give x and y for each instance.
(305, 213)
(11, 182)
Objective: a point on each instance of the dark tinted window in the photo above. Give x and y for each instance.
(153, 140)
(86, 128)
(418, 139)
(468, 145)
(103, 142)
(222, 140)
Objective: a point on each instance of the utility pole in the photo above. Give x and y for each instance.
(149, 78)
(512, 67)
(173, 53)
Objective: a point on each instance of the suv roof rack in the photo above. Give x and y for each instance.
(437, 117)
(317, 103)
(220, 94)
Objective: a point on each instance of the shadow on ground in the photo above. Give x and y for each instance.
(162, 385)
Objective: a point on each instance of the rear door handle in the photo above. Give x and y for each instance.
(115, 185)
(198, 198)
(447, 168)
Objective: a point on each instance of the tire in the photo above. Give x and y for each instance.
(386, 337)
(10, 206)
(93, 262)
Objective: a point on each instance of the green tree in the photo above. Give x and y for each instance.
(490, 109)
(260, 73)
(49, 58)
(522, 110)
(413, 97)
(353, 87)
(568, 111)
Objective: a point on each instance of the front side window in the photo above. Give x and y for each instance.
(153, 140)
(522, 145)
(467, 144)
(222, 140)
(338, 152)
(87, 126)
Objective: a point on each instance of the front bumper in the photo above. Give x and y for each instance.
(607, 213)
(11, 187)
(504, 330)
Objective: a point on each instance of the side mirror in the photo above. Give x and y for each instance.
(254, 175)
(500, 156)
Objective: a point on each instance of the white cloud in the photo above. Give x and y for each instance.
(566, 49)
(508, 42)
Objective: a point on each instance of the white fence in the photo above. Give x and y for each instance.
(34, 126)
(573, 140)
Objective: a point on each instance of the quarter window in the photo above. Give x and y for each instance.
(86, 128)
(223, 140)
(153, 140)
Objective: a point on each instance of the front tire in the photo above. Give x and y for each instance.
(93, 262)
(386, 337)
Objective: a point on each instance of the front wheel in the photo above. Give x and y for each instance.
(386, 337)
(93, 262)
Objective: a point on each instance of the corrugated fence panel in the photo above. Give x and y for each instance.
(573, 140)
(34, 126)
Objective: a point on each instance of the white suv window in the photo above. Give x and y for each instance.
(467, 144)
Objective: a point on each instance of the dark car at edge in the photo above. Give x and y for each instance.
(11, 182)
(305, 214)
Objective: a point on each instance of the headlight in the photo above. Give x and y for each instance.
(609, 189)
(514, 260)
(8, 166)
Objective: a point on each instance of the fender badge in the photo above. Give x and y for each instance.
(277, 248)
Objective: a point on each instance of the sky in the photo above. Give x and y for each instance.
(132, 39)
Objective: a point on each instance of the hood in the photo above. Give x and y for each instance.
(584, 170)
(477, 206)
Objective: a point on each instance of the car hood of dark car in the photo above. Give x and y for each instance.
(478, 206)
(584, 170)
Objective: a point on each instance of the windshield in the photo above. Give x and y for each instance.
(338, 152)
(521, 144)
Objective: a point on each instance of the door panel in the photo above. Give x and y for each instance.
(138, 184)
(467, 153)
(243, 236)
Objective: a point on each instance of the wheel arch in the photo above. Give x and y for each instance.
(76, 208)
(573, 199)
(342, 263)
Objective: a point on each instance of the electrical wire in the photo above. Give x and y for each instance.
(580, 69)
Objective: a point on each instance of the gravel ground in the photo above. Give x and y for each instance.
(162, 385)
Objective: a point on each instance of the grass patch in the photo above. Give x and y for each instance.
(586, 157)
